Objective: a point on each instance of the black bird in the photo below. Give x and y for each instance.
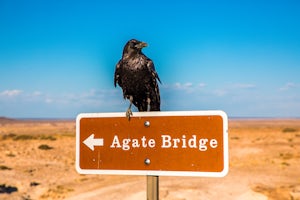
(135, 74)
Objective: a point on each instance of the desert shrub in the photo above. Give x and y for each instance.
(7, 189)
(235, 138)
(285, 164)
(24, 137)
(29, 137)
(3, 167)
(48, 137)
(10, 155)
(33, 184)
(289, 130)
(8, 136)
(45, 147)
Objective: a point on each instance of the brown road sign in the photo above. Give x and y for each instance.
(185, 143)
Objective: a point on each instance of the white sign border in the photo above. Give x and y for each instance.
(156, 172)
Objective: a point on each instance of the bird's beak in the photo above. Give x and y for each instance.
(141, 45)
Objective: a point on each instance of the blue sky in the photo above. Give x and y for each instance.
(57, 58)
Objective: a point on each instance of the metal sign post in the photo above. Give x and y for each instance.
(152, 187)
(179, 143)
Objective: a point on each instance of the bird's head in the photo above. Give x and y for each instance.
(133, 46)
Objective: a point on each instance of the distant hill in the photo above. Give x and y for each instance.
(7, 120)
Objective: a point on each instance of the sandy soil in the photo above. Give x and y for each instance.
(37, 161)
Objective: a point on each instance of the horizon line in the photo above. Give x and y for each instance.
(4, 118)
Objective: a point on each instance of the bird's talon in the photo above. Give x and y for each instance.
(128, 114)
(148, 104)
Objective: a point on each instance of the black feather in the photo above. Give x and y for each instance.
(135, 74)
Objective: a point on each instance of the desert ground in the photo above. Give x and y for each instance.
(37, 161)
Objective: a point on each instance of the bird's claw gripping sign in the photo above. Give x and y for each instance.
(193, 143)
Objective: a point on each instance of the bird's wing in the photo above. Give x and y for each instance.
(154, 92)
(117, 73)
(151, 68)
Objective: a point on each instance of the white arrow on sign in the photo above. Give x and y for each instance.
(91, 142)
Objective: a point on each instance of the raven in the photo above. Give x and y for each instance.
(135, 74)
